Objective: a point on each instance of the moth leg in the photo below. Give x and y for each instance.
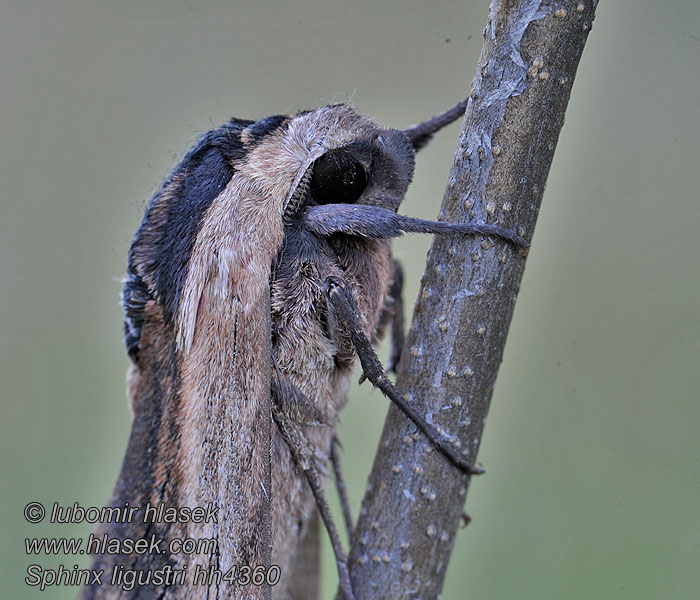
(347, 313)
(398, 335)
(340, 485)
(302, 455)
(298, 408)
(293, 403)
(392, 313)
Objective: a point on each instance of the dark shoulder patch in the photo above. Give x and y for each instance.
(227, 139)
(264, 127)
(160, 253)
(242, 123)
(203, 180)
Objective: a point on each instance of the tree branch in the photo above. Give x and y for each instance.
(412, 507)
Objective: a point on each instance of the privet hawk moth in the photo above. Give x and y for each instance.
(261, 271)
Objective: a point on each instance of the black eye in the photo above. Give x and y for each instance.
(338, 178)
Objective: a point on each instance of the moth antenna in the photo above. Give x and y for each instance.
(422, 133)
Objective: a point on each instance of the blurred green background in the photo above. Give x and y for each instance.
(592, 444)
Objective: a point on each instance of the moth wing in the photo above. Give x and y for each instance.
(197, 328)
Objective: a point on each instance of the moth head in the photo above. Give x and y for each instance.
(375, 171)
(352, 161)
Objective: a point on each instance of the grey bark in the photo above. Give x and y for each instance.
(414, 500)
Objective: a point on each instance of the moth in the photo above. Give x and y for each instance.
(261, 271)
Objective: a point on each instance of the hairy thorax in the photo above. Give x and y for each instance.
(316, 355)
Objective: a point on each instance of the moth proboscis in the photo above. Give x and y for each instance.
(261, 271)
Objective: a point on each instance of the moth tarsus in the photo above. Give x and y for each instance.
(260, 272)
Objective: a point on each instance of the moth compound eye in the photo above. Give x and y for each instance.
(338, 178)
